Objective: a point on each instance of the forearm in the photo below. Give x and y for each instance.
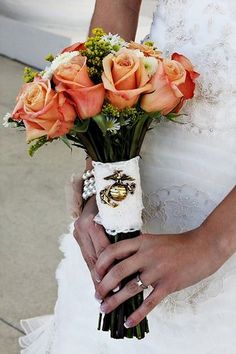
(220, 226)
(117, 16)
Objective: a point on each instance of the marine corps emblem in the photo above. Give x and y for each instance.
(118, 191)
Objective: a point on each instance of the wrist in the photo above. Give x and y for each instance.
(217, 239)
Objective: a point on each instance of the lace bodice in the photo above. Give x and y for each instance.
(205, 31)
(188, 169)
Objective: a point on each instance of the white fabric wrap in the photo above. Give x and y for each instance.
(127, 216)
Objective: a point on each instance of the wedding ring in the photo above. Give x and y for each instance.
(140, 283)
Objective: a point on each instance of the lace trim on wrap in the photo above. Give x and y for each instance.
(174, 210)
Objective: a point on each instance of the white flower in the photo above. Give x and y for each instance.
(114, 39)
(138, 53)
(112, 125)
(6, 122)
(60, 59)
(151, 65)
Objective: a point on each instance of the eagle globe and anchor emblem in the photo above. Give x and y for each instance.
(115, 193)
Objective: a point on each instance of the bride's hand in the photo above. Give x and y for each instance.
(90, 236)
(166, 262)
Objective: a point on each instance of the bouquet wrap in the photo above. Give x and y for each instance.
(119, 196)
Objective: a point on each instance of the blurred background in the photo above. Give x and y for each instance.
(32, 205)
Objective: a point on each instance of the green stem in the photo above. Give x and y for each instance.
(136, 136)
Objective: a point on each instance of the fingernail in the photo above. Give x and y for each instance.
(97, 278)
(128, 324)
(103, 308)
(116, 289)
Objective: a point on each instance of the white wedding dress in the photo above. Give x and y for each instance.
(186, 171)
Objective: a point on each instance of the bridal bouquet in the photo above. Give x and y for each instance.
(103, 96)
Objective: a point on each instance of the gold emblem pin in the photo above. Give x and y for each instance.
(118, 191)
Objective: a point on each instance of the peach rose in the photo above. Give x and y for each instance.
(166, 94)
(43, 111)
(74, 47)
(188, 87)
(72, 77)
(124, 78)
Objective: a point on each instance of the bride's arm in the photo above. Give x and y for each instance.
(221, 226)
(167, 262)
(117, 17)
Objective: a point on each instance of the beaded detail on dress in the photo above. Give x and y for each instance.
(206, 37)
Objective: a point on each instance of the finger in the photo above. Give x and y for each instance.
(117, 251)
(130, 289)
(87, 249)
(156, 296)
(117, 273)
(99, 239)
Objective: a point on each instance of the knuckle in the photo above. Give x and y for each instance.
(118, 271)
(91, 261)
(100, 269)
(149, 304)
(132, 287)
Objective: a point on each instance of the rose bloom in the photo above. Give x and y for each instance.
(72, 77)
(172, 85)
(189, 85)
(74, 47)
(124, 78)
(43, 111)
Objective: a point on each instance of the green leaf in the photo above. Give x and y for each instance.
(155, 115)
(66, 141)
(173, 117)
(49, 57)
(36, 145)
(101, 122)
(81, 126)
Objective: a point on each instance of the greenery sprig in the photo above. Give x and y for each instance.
(97, 48)
(29, 74)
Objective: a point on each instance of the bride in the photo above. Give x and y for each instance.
(186, 251)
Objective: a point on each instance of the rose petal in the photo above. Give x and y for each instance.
(165, 96)
(33, 131)
(188, 87)
(186, 64)
(88, 100)
(81, 78)
(74, 47)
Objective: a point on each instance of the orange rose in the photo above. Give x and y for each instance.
(73, 78)
(74, 47)
(124, 78)
(188, 87)
(166, 94)
(43, 111)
